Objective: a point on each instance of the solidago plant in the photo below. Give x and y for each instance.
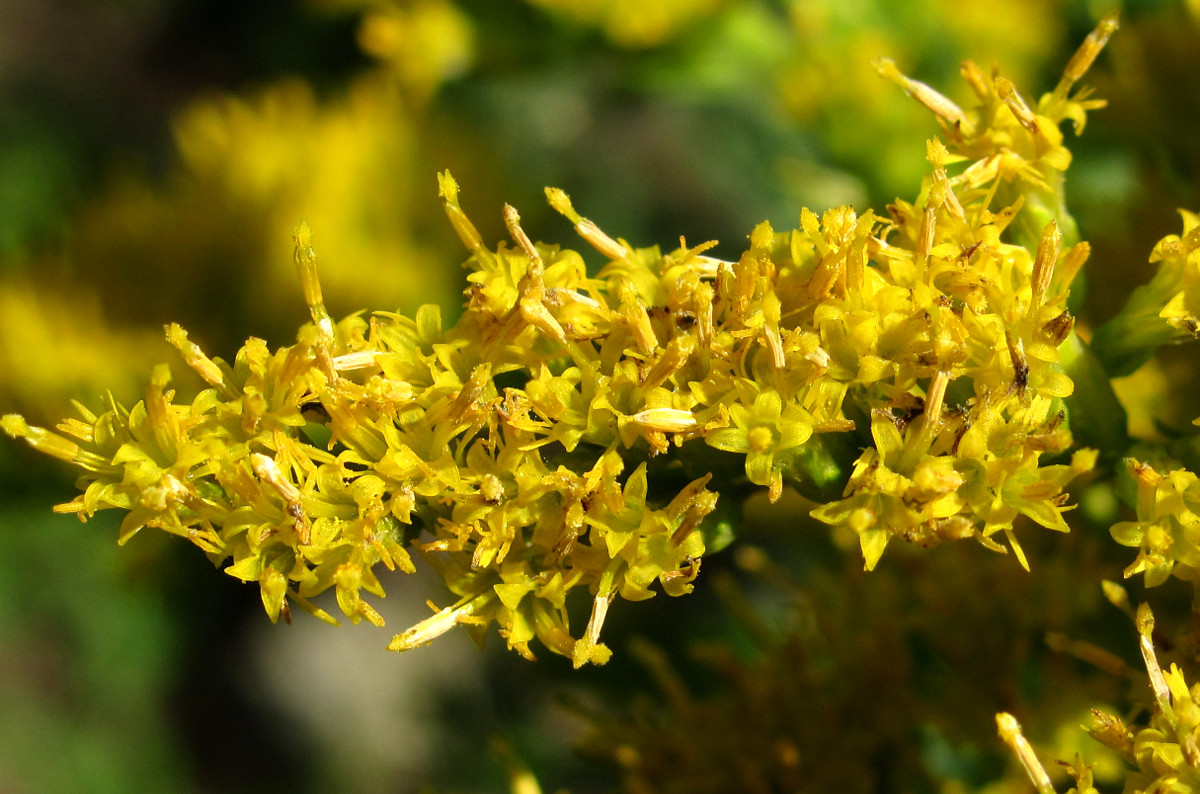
(577, 439)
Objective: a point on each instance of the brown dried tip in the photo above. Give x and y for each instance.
(1059, 328)
(1016, 352)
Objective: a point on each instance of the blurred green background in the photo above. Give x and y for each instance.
(154, 158)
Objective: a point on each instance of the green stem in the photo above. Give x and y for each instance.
(1097, 418)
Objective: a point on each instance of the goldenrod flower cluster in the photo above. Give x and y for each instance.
(1164, 752)
(1167, 530)
(1161, 754)
(562, 437)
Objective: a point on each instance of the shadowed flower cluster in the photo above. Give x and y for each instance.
(1167, 530)
(1161, 751)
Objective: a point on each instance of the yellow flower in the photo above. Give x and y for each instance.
(762, 432)
(1167, 530)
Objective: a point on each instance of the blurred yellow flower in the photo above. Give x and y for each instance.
(634, 23)
(55, 347)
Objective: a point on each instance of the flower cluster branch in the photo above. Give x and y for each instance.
(566, 441)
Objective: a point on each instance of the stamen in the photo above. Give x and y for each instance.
(590, 649)
(1158, 683)
(589, 231)
(674, 356)
(666, 420)
(42, 440)
(513, 221)
(448, 190)
(637, 317)
(306, 267)
(934, 398)
(194, 357)
(1043, 266)
(703, 300)
(268, 471)
(927, 96)
(361, 359)
(925, 238)
(533, 289)
(1008, 93)
(435, 626)
(1072, 261)
(1010, 732)
(1086, 55)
